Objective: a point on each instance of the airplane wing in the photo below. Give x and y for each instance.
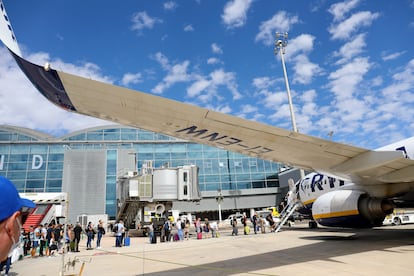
(192, 123)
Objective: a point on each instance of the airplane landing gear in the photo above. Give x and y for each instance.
(313, 224)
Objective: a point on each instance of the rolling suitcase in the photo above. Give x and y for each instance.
(154, 238)
(127, 241)
(199, 236)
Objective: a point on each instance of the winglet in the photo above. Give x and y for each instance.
(6, 32)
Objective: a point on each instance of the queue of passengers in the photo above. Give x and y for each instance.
(258, 223)
(49, 239)
(179, 230)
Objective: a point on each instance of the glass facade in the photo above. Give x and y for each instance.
(34, 160)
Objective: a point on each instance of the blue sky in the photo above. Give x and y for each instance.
(350, 63)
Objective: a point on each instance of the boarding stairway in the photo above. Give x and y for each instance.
(128, 211)
(37, 216)
(286, 213)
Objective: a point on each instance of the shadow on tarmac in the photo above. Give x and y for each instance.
(330, 246)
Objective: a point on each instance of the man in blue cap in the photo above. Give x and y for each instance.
(10, 216)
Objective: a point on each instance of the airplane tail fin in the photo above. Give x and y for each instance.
(6, 32)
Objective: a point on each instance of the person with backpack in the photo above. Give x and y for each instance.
(119, 230)
(101, 232)
(90, 232)
(167, 230)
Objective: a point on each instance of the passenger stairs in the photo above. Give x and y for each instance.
(286, 213)
(36, 216)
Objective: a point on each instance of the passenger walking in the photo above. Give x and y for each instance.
(57, 236)
(101, 232)
(272, 223)
(235, 231)
(214, 229)
(207, 227)
(26, 242)
(262, 225)
(198, 229)
(254, 222)
(89, 233)
(167, 230)
(246, 228)
(49, 235)
(77, 231)
(151, 235)
(34, 237)
(43, 233)
(180, 229)
(187, 229)
(119, 229)
(71, 238)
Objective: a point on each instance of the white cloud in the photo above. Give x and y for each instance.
(170, 5)
(275, 100)
(163, 60)
(392, 56)
(263, 82)
(141, 20)
(130, 78)
(176, 73)
(305, 70)
(346, 28)
(235, 13)
(188, 28)
(197, 87)
(216, 48)
(300, 44)
(228, 79)
(345, 80)
(213, 61)
(339, 10)
(402, 82)
(206, 88)
(280, 22)
(248, 108)
(351, 49)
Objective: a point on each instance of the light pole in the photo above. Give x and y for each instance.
(280, 47)
(219, 199)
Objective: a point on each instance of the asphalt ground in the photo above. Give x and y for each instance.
(387, 250)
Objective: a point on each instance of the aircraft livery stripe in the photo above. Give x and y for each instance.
(336, 214)
(308, 202)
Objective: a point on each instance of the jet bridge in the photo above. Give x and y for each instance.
(141, 196)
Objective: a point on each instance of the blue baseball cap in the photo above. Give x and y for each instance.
(10, 201)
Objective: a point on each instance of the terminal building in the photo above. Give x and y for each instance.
(89, 164)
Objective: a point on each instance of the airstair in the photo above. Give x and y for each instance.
(293, 203)
(286, 213)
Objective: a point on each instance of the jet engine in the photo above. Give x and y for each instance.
(351, 209)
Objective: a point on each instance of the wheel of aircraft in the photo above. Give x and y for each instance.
(313, 224)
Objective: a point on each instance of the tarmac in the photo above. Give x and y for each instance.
(297, 250)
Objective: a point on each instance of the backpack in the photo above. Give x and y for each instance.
(182, 225)
(115, 229)
(166, 226)
(49, 233)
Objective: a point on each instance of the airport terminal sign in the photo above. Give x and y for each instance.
(36, 160)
